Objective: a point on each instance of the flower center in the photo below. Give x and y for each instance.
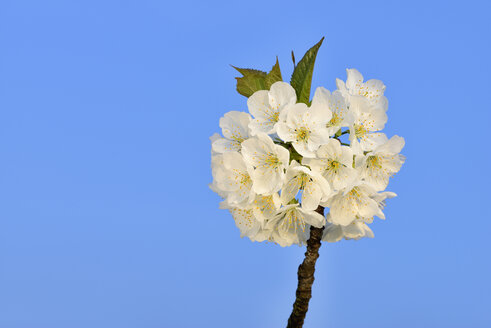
(243, 218)
(360, 130)
(374, 162)
(303, 179)
(302, 134)
(358, 198)
(293, 221)
(245, 179)
(354, 193)
(237, 137)
(333, 165)
(275, 116)
(265, 204)
(336, 118)
(271, 160)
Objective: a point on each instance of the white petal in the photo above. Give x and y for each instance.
(372, 140)
(354, 79)
(341, 217)
(302, 149)
(393, 146)
(214, 137)
(374, 90)
(253, 149)
(233, 160)
(290, 190)
(318, 136)
(313, 218)
(369, 209)
(341, 86)
(331, 150)
(324, 186)
(266, 181)
(281, 94)
(320, 116)
(285, 132)
(258, 104)
(315, 164)
(296, 114)
(311, 196)
(346, 156)
(345, 177)
(223, 145)
(235, 124)
(321, 97)
(283, 155)
(332, 233)
(320, 107)
(246, 222)
(262, 125)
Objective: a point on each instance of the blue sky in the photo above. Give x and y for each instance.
(106, 219)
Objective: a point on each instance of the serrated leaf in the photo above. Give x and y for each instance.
(274, 75)
(246, 71)
(249, 84)
(251, 81)
(301, 79)
(254, 80)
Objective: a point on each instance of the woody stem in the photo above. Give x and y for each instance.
(306, 276)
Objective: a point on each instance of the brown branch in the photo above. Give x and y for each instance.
(306, 276)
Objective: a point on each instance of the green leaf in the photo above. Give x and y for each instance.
(302, 74)
(274, 75)
(247, 71)
(251, 81)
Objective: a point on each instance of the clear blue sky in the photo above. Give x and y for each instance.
(106, 219)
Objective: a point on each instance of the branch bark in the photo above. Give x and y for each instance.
(306, 276)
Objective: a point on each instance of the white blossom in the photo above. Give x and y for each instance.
(275, 168)
(353, 202)
(355, 230)
(367, 121)
(266, 163)
(335, 163)
(314, 187)
(336, 104)
(377, 166)
(216, 168)
(305, 128)
(235, 129)
(216, 162)
(234, 179)
(248, 224)
(213, 138)
(266, 206)
(267, 106)
(380, 198)
(292, 225)
(373, 90)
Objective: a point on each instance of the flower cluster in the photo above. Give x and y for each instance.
(275, 165)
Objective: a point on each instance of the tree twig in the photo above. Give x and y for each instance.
(306, 276)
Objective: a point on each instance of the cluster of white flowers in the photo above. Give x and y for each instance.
(275, 166)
